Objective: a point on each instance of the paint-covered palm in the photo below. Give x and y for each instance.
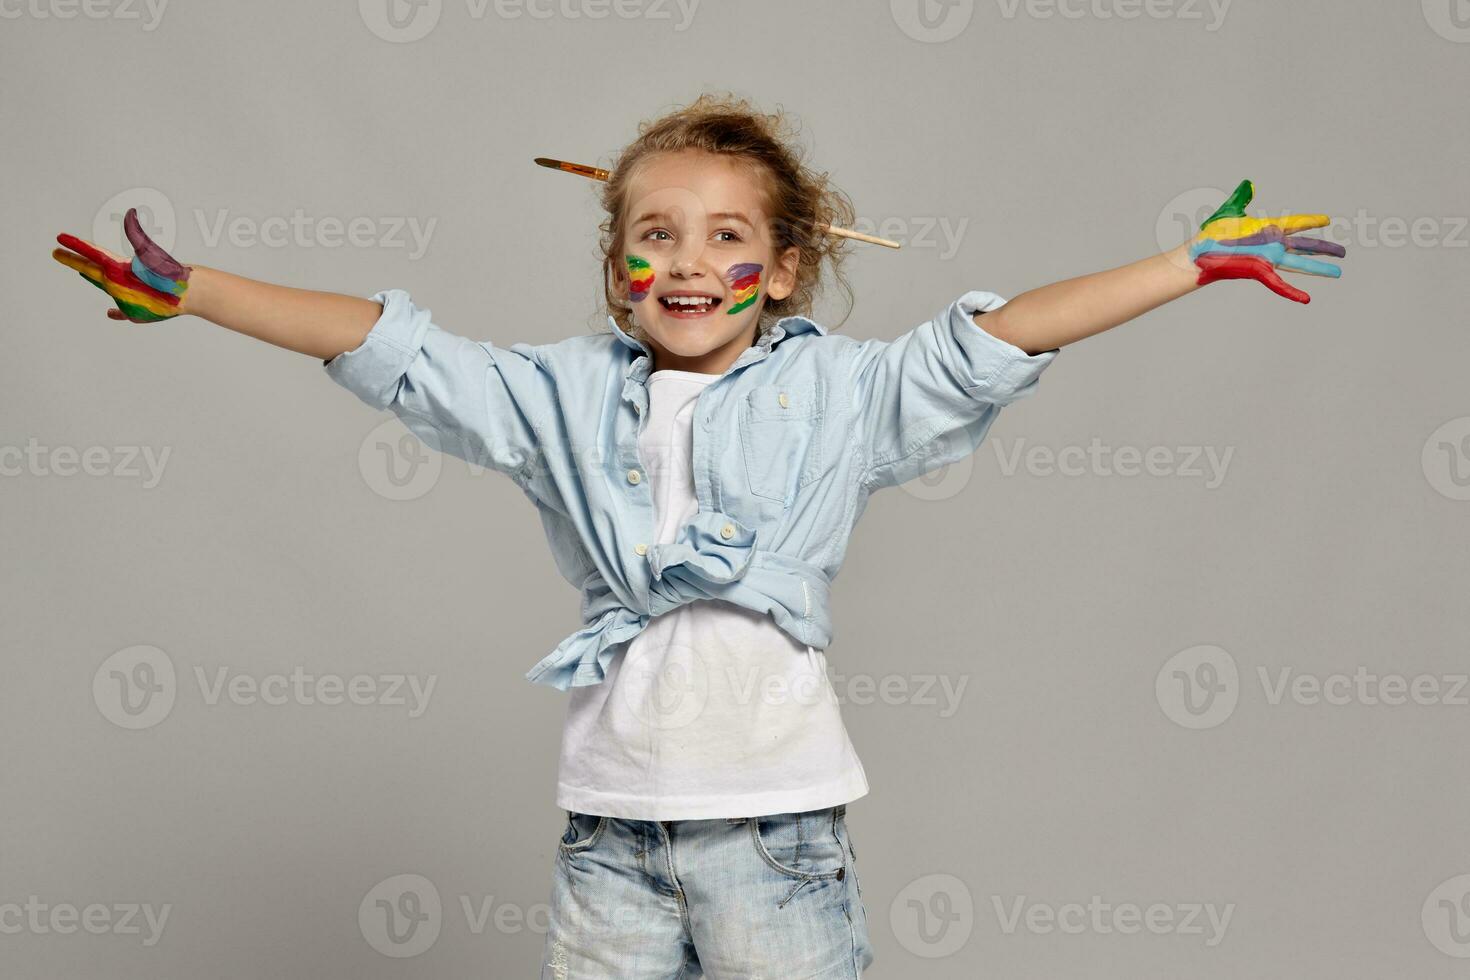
(149, 288)
(1232, 245)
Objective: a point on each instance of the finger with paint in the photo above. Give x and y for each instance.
(1275, 253)
(1232, 245)
(1293, 243)
(149, 288)
(1215, 266)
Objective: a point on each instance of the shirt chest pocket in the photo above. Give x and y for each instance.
(781, 437)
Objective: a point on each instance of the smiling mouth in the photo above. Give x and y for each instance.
(689, 307)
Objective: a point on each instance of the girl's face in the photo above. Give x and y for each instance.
(698, 259)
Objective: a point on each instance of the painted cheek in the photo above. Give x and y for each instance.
(745, 283)
(640, 278)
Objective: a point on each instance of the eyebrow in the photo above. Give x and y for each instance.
(717, 216)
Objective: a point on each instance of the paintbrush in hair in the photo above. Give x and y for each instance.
(597, 173)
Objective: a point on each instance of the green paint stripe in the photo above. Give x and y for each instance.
(1234, 206)
(136, 312)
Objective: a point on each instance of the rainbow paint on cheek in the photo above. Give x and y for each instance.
(640, 275)
(745, 281)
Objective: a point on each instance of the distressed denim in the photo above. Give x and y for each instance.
(789, 443)
(753, 898)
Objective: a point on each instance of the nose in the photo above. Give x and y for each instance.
(687, 261)
(683, 268)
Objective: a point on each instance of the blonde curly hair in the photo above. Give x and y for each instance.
(800, 201)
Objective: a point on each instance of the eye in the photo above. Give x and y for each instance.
(734, 236)
(650, 233)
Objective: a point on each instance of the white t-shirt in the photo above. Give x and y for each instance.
(712, 710)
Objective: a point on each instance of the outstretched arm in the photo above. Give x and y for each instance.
(304, 320)
(1062, 313)
(481, 402)
(1230, 245)
(153, 286)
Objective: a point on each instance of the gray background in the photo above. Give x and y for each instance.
(1057, 141)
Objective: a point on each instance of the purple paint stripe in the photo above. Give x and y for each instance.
(742, 270)
(156, 259)
(1297, 243)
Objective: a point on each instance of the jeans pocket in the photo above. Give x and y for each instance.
(802, 846)
(583, 830)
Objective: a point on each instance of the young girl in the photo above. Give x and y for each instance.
(699, 470)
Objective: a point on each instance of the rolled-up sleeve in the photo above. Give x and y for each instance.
(926, 399)
(472, 399)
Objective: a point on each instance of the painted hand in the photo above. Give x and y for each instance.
(151, 287)
(1232, 246)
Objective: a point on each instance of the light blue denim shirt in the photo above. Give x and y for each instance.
(789, 442)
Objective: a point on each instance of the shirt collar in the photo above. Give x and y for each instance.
(787, 326)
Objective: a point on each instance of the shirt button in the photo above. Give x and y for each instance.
(785, 402)
(727, 532)
(634, 476)
(642, 549)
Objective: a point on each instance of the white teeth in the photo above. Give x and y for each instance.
(688, 300)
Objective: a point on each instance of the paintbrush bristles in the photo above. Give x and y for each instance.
(597, 173)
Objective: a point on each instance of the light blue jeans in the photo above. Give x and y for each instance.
(758, 898)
